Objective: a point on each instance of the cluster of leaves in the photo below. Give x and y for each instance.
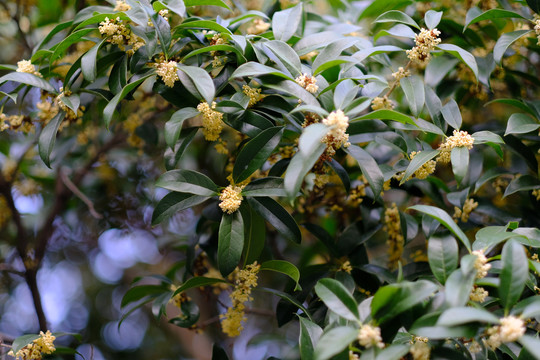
(280, 152)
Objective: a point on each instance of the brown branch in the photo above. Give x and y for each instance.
(9, 269)
(75, 190)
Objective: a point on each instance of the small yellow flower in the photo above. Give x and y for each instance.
(480, 264)
(478, 294)
(395, 242)
(401, 73)
(458, 139)
(369, 336)
(231, 198)
(425, 42)
(26, 66)
(212, 123)
(253, 94)
(381, 103)
(167, 70)
(337, 136)
(121, 6)
(308, 82)
(258, 27)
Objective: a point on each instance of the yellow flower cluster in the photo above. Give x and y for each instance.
(43, 344)
(420, 349)
(167, 70)
(356, 196)
(458, 139)
(425, 170)
(308, 82)
(71, 116)
(401, 73)
(345, 266)
(179, 298)
(130, 125)
(121, 6)
(464, 214)
(369, 336)
(25, 66)
(395, 242)
(231, 198)
(5, 211)
(478, 294)
(47, 110)
(536, 194)
(253, 94)
(381, 103)
(231, 321)
(480, 264)
(28, 187)
(425, 42)
(258, 26)
(511, 329)
(212, 123)
(16, 123)
(537, 29)
(120, 34)
(337, 136)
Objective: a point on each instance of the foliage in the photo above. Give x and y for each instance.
(382, 158)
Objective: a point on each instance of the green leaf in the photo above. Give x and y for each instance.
(337, 298)
(286, 55)
(460, 162)
(445, 219)
(451, 114)
(47, 138)
(286, 297)
(29, 79)
(163, 30)
(489, 237)
(303, 161)
(520, 124)
(283, 267)
(310, 334)
(285, 22)
(88, 62)
(529, 236)
(532, 344)
(254, 234)
(230, 242)
(136, 293)
(490, 15)
(109, 110)
(218, 353)
(223, 47)
(482, 137)
(73, 38)
(387, 115)
(99, 18)
(255, 153)
(173, 127)
(466, 57)
(463, 315)
(188, 181)
(198, 281)
(377, 7)
(174, 202)
(393, 352)
(417, 162)
(268, 186)
(370, 168)
(204, 24)
(443, 332)
(395, 16)
(392, 300)
(22, 341)
(504, 42)
(206, 2)
(331, 52)
(277, 216)
(522, 183)
(432, 18)
(202, 80)
(488, 176)
(255, 69)
(458, 287)
(413, 87)
(443, 255)
(334, 341)
(177, 6)
(190, 315)
(514, 274)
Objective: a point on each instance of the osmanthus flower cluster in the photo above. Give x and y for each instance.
(35, 350)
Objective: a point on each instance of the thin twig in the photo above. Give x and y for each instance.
(75, 190)
(9, 269)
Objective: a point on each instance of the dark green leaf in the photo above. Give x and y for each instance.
(136, 293)
(490, 15)
(414, 91)
(188, 181)
(417, 162)
(452, 115)
(163, 30)
(387, 115)
(309, 336)
(254, 234)
(370, 168)
(202, 80)
(514, 274)
(504, 43)
(174, 202)
(204, 24)
(459, 287)
(256, 69)
(460, 162)
(47, 138)
(255, 153)
(190, 315)
(532, 344)
(285, 22)
(277, 216)
(337, 298)
(28, 79)
(268, 186)
(230, 242)
(466, 57)
(88, 62)
(283, 267)
(432, 18)
(443, 254)
(463, 315)
(395, 16)
(173, 127)
(198, 281)
(334, 341)
(520, 124)
(522, 183)
(73, 38)
(393, 352)
(206, 2)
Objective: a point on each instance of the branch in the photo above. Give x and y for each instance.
(71, 186)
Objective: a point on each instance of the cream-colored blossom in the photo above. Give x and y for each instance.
(337, 136)
(167, 70)
(26, 66)
(511, 328)
(537, 29)
(258, 26)
(246, 279)
(231, 198)
(253, 94)
(480, 264)
(369, 336)
(464, 214)
(395, 241)
(212, 123)
(478, 294)
(308, 82)
(425, 42)
(121, 6)
(420, 350)
(34, 350)
(458, 139)
(120, 34)
(401, 73)
(382, 103)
